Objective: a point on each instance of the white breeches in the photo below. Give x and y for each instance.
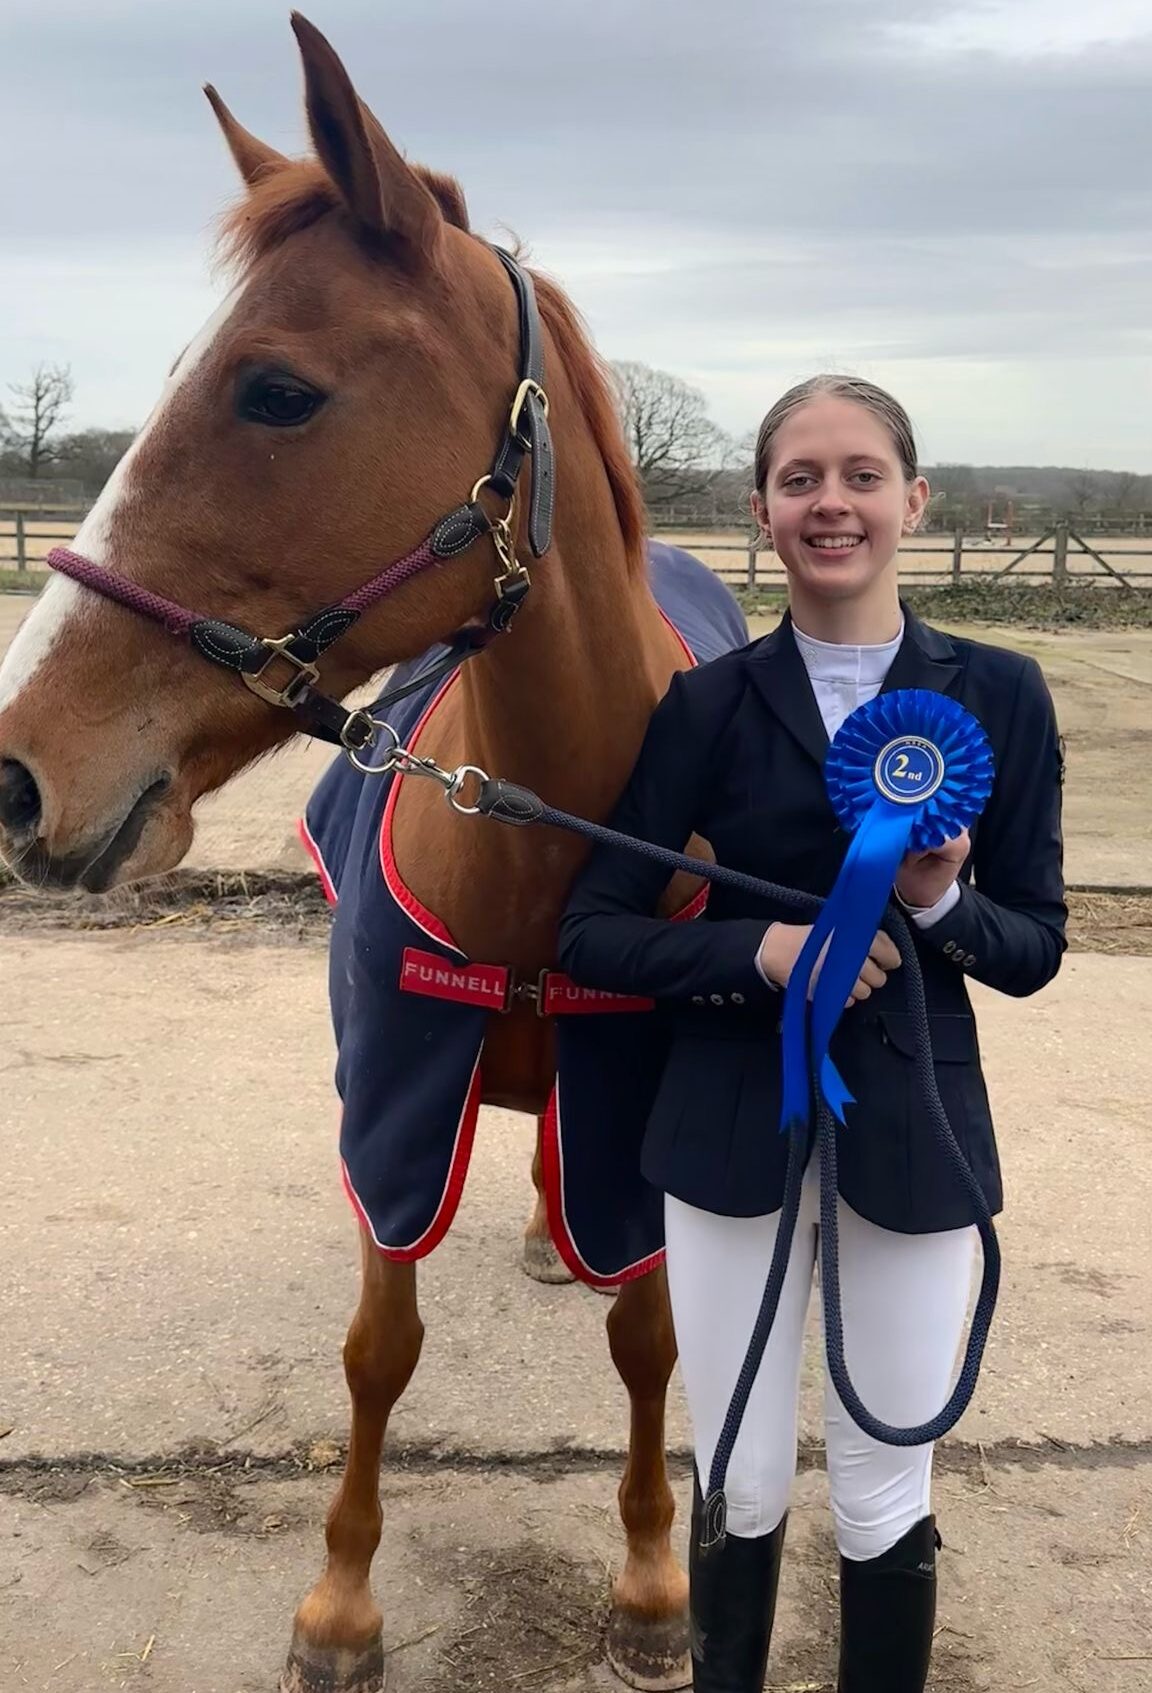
(905, 1298)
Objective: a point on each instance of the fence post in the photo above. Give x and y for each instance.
(751, 581)
(957, 552)
(21, 549)
(1060, 556)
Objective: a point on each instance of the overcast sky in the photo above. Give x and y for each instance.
(954, 199)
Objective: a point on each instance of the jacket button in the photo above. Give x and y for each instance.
(697, 999)
(737, 999)
(716, 998)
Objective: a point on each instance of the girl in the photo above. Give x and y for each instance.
(734, 754)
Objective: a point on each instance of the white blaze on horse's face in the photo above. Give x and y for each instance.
(61, 601)
(94, 786)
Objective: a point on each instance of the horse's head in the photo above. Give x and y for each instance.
(349, 392)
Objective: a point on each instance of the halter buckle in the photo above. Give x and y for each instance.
(528, 386)
(307, 675)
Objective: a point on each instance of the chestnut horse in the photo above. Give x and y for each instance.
(348, 393)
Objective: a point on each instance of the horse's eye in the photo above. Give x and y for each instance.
(281, 401)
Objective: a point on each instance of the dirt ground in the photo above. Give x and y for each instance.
(177, 1268)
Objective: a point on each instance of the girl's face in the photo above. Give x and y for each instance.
(837, 501)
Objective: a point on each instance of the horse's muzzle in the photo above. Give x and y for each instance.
(92, 865)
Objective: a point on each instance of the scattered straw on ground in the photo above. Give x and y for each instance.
(290, 909)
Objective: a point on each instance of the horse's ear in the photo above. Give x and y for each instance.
(381, 190)
(254, 159)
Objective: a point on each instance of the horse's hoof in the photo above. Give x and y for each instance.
(650, 1653)
(334, 1669)
(543, 1263)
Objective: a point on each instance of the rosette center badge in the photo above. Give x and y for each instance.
(909, 770)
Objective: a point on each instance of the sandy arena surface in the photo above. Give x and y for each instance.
(177, 1268)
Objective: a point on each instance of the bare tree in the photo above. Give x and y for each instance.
(39, 411)
(675, 446)
(91, 455)
(1127, 488)
(1083, 490)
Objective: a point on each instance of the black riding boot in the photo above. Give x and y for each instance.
(733, 1604)
(888, 1614)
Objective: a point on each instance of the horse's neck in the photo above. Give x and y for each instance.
(560, 705)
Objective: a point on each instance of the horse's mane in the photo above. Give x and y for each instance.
(592, 381)
(298, 195)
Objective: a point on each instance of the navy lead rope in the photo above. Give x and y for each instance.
(509, 803)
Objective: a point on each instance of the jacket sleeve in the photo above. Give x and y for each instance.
(609, 937)
(1008, 929)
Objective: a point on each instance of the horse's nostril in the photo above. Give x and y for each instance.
(19, 797)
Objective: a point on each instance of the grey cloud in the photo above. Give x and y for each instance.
(708, 178)
(813, 117)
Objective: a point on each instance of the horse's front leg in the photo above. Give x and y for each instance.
(648, 1630)
(336, 1643)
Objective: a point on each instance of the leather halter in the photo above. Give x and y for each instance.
(251, 656)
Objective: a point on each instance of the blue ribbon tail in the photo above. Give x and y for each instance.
(795, 1083)
(856, 905)
(794, 1033)
(794, 1106)
(835, 1090)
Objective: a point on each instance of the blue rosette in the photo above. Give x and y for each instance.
(906, 772)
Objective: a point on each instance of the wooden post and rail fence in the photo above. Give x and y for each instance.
(1055, 546)
(27, 533)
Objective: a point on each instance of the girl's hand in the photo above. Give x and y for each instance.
(782, 945)
(925, 877)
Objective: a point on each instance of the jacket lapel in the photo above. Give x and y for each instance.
(778, 674)
(926, 659)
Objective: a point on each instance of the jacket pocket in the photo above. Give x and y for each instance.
(952, 1034)
(960, 1084)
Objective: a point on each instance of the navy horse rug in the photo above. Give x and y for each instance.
(410, 1012)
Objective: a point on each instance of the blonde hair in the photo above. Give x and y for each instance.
(878, 401)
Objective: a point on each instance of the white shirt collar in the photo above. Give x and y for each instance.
(832, 661)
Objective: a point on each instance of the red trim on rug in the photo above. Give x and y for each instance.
(694, 907)
(424, 919)
(685, 648)
(317, 858)
(453, 1188)
(552, 1163)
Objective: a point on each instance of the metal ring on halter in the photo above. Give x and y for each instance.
(458, 779)
(509, 500)
(482, 482)
(385, 765)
